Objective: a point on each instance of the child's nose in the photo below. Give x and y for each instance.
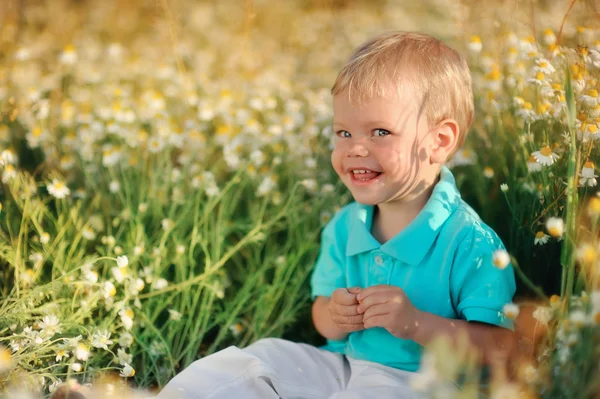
(358, 149)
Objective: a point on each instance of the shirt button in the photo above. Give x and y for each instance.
(379, 260)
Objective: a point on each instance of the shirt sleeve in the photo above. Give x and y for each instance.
(479, 290)
(329, 272)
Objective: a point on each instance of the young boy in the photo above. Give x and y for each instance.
(407, 261)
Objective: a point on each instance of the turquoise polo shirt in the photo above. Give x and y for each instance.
(442, 260)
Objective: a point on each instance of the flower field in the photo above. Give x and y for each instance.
(165, 175)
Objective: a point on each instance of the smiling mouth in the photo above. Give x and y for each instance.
(364, 175)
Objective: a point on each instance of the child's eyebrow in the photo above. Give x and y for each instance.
(368, 123)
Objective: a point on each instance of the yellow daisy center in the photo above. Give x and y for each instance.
(593, 93)
(594, 206)
(539, 234)
(546, 151)
(554, 231)
(589, 255)
(475, 39)
(4, 355)
(589, 165)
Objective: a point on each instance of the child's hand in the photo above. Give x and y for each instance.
(388, 306)
(343, 309)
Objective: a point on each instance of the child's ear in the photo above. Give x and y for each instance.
(445, 138)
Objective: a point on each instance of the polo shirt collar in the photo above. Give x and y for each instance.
(411, 244)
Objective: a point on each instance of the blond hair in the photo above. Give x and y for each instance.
(438, 74)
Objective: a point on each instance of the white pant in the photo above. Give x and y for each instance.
(275, 368)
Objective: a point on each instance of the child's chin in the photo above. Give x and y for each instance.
(364, 200)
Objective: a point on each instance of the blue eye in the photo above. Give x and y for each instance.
(384, 132)
(343, 133)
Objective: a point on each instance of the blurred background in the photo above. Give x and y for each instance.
(194, 137)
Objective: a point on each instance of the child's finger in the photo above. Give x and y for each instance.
(376, 310)
(371, 300)
(358, 319)
(341, 296)
(354, 290)
(344, 310)
(374, 289)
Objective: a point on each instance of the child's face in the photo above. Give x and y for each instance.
(387, 138)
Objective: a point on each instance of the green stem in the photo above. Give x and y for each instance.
(568, 248)
(537, 290)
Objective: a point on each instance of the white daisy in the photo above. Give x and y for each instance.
(591, 131)
(81, 352)
(101, 339)
(44, 238)
(545, 156)
(127, 371)
(539, 79)
(549, 37)
(9, 173)
(156, 144)
(555, 226)
(58, 189)
(475, 44)
(578, 318)
(586, 254)
(463, 157)
(500, 259)
(69, 55)
(8, 156)
(124, 357)
(590, 98)
(543, 314)
(125, 339)
(174, 315)
(88, 233)
(127, 318)
(236, 329)
(544, 66)
(533, 165)
(511, 310)
(114, 186)
(160, 284)
(49, 325)
(266, 186)
(541, 238)
(488, 172)
(122, 261)
(118, 273)
(587, 176)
